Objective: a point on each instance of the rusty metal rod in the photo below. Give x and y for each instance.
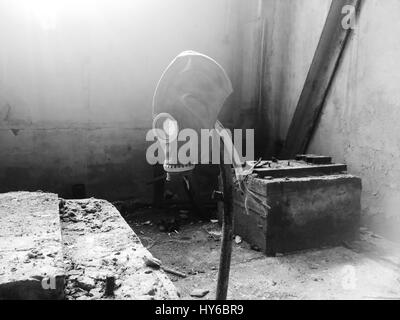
(227, 232)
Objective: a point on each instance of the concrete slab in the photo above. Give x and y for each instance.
(30, 246)
(104, 257)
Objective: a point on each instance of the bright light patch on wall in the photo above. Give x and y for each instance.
(46, 16)
(44, 12)
(47, 13)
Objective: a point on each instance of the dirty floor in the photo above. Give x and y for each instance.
(366, 269)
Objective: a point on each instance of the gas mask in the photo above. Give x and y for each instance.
(189, 95)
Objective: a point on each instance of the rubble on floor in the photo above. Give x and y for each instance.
(91, 253)
(101, 250)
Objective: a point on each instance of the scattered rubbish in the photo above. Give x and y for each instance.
(199, 293)
(147, 223)
(152, 262)
(214, 220)
(86, 283)
(215, 234)
(174, 272)
(156, 264)
(238, 239)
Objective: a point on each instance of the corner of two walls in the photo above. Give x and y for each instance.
(291, 34)
(359, 123)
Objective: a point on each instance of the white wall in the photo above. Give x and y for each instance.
(76, 84)
(360, 123)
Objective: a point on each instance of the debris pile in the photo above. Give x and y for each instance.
(104, 258)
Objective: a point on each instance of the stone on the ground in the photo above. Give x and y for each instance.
(199, 293)
(238, 239)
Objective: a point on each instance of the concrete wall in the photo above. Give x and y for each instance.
(292, 31)
(76, 86)
(359, 125)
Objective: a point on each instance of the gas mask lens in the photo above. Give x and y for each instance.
(166, 127)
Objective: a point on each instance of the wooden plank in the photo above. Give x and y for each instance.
(314, 159)
(304, 171)
(319, 79)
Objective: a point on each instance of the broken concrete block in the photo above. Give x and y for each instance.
(108, 264)
(31, 265)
